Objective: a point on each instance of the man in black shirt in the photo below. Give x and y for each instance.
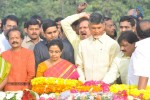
(51, 32)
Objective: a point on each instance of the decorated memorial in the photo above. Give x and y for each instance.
(66, 89)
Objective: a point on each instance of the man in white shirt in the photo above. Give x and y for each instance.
(96, 53)
(33, 34)
(139, 67)
(83, 30)
(119, 66)
(8, 22)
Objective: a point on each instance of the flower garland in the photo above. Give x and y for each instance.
(131, 90)
(51, 84)
(86, 91)
(92, 86)
(121, 95)
(29, 94)
(57, 85)
(88, 96)
(51, 96)
(19, 95)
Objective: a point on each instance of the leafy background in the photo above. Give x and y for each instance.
(56, 8)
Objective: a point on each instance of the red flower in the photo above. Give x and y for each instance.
(121, 95)
(27, 95)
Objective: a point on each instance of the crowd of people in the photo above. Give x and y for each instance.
(81, 46)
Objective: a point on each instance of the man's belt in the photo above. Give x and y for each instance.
(18, 83)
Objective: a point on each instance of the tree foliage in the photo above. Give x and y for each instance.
(56, 8)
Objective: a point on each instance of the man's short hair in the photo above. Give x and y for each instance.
(47, 24)
(129, 36)
(143, 32)
(135, 19)
(37, 17)
(58, 19)
(14, 29)
(82, 19)
(107, 18)
(32, 22)
(128, 19)
(25, 24)
(10, 17)
(96, 18)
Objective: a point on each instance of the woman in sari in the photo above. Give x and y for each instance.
(56, 66)
(4, 71)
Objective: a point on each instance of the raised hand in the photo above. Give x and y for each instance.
(81, 7)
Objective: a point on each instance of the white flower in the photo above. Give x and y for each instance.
(44, 96)
(9, 95)
(2, 95)
(19, 95)
(91, 98)
(70, 97)
(130, 98)
(52, 95)
(37, 96)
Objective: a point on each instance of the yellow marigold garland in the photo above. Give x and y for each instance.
(57, 85)
(131, 90)
(88, 88)
(51, 84)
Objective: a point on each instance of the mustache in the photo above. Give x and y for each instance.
(14, 42)
(83, 33)
(34, 34)
(123, 50)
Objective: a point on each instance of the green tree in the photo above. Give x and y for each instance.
(56, 8)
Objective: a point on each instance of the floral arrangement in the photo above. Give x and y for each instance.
(86, 96)
(67, 95)
(92, 86)
(11, 95)
(66, 89)
(51, 84)
(51, 96)
(117, 92)
(131, 90)
(29, 95)
(56, 85)
(19, 95)
(121, 95)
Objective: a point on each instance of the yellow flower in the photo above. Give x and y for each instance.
(51, 84)
(131, 90)
(57, 85)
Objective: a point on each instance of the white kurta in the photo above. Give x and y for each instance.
(95, 57)
(71, 35)
(119, 67)
(140, 62)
